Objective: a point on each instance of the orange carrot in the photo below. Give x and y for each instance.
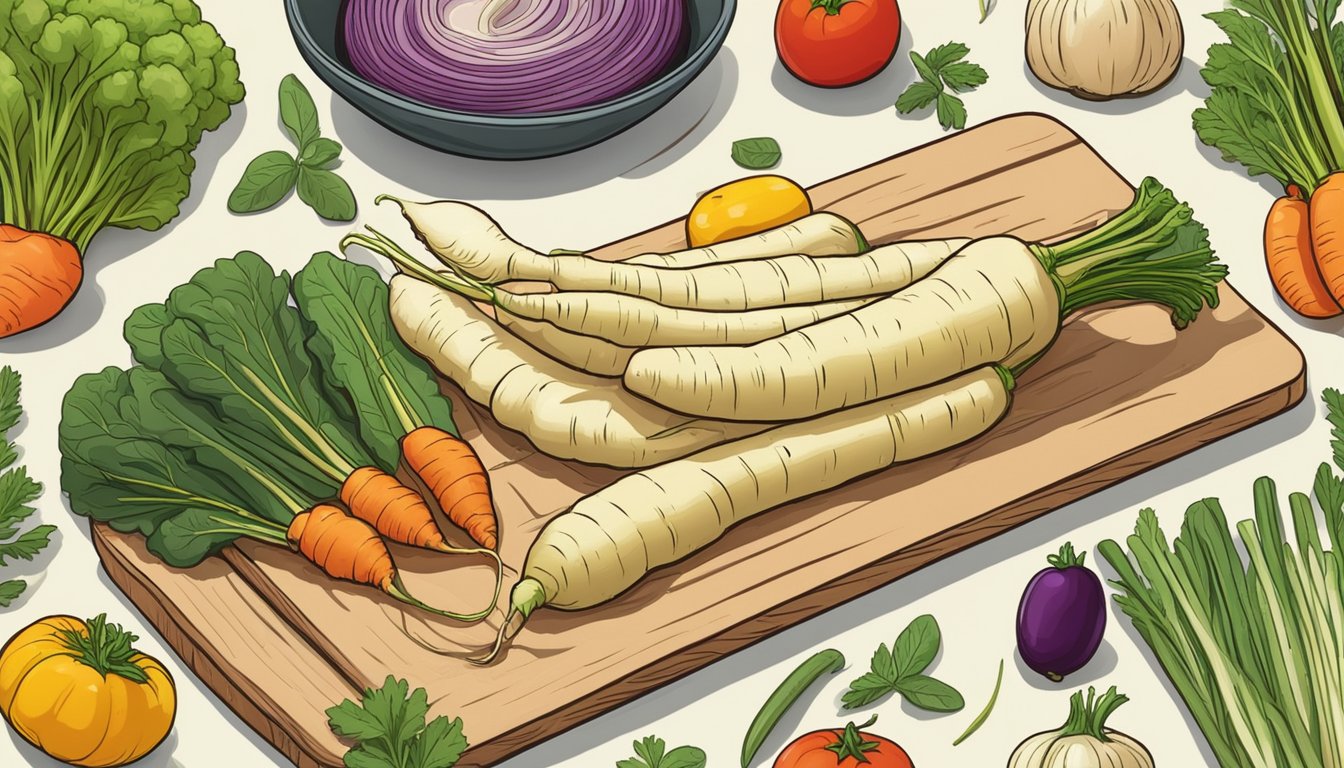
(348, 548)
(39, 275)
(452, 472)
(1291, 259)
(1327, 233)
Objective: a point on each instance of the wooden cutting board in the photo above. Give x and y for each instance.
(1119, 393)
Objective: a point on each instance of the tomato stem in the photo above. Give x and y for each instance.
(106, 648)
(851, 743)
(832, 7)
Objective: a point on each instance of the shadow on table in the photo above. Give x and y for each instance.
(1187, 80)
(644, 149)
(112, 245)
(1033, 536)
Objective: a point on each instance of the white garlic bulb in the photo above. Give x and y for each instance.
(1101, 49)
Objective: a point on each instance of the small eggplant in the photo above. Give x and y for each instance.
(1062, 616)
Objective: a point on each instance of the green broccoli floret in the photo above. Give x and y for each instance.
(102, 103)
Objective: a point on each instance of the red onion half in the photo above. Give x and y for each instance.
(513, 56)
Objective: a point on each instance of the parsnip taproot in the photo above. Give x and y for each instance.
(999, 300)
(609, 540)
(631, 321)
(564, 413)
(474, 243)
(584, 353)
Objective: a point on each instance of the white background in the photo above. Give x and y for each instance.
(644, 177)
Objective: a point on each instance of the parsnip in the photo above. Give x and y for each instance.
(467, 238)
(585, 353)
(564, 413)
(608, 541)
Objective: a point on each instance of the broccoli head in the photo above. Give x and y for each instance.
(102, 103)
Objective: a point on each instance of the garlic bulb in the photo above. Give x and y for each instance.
(1084, 741)
(1100, 49)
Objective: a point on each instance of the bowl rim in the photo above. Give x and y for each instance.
(691, 65)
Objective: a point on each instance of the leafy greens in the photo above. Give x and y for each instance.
(389, 729)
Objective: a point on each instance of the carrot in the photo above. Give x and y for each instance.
(452, 472)
(346, 547)
(1327, 233)
(1291, 259)
(39, 274)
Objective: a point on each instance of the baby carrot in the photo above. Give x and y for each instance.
(1291, 261)
(453, 473)
(1327, 233)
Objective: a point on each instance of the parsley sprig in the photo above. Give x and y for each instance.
(651, 752)
(943, 73)
(17, 493)
(389, 727)
(901, 670)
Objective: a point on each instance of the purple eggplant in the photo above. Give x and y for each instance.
(1062, 616)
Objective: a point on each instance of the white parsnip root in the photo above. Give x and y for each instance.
(564, 413)
(585, 353)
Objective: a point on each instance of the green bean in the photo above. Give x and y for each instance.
(784, 697)
(984, 714)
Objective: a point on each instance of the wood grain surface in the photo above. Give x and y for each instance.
(1120, 392)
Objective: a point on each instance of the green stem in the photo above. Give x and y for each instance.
(1088, 718)
(1313, 71)
(832, 7)
(409, 265)
(1067, 558)
(107, 648)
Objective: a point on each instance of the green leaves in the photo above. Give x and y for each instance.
(901, 670)
(17, 492)
(943, 74)
(273, 175)
(651, 753)
(389, 728)
(394, 390)
(757, 154)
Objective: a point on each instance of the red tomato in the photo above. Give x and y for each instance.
(844, 748)
(834, 43)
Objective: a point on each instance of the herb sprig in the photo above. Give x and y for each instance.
(901, 670)
(389, 727)
(652, 752)
(17, 493)
(943, 73)
(273, 175)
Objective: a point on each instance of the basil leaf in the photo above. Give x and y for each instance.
(757, 154)
(321, 153)
(265, 183)
(326, 193)
(684, 757)
(916, 647)
(930, 694)
(298, 112)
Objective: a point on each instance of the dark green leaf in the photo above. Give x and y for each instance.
(951, 111)
(884, 665)
(964, 76)
(192, 534)
(930, 694)
(650, 750)
(327, 194)
(369, 757)
(17, 492)
(11, 384)
(925, 70)
(916, 647)
(757, 154)
(143, 331)
(394, 390)
(866, 690)
(27, 545)
(10, 591)
(265, 183)
(352, 721)
(939, 58)
(918, 96)
(321, 153)
(440, 745)
(684, 757)
(297, 112)
(1334, 413)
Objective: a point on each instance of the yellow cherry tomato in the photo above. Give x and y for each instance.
(80, 693)
(745, 207)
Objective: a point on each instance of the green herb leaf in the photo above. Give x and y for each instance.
(650, 753)
(964, 76)
(327, 194)
(265, 183)
(389, 727)
(1334, 413)
(297, 112)
(27, 545)
(17, 492)
(951, 111)
(939, 58)
(10, 410)
(926, 70)
(884, 665)
(321, 153)
(10, 591)
(915, 648)
(930, 694)
(440, 745)
(143, 331)
(684, 757)
(867, 689)
(757, 154)
(919, 95)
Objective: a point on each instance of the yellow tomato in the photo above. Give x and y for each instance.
(80, 693)
(745, 207)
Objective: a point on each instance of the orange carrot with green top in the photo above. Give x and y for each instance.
(453, 473)
(1291, 259)
(39, 275)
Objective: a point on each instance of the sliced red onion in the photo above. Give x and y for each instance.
(513, 56)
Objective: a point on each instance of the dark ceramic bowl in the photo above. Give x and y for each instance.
(314, 24)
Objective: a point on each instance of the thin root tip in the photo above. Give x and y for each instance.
(379, 200)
